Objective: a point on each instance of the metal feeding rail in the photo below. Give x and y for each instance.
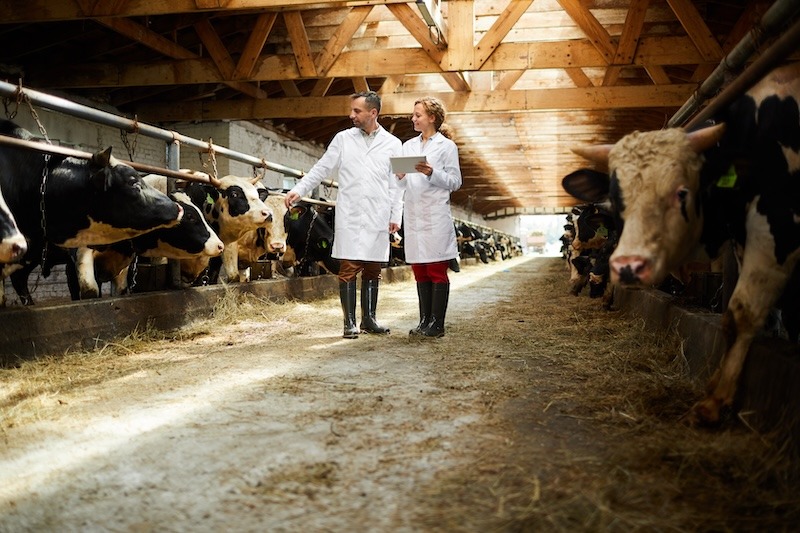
(133, 126)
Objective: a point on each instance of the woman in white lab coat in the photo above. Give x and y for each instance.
(430, 238)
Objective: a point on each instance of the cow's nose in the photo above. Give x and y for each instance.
(278, 247)
(632, 269)
(221, 247)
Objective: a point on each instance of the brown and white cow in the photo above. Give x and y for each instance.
(683, 195)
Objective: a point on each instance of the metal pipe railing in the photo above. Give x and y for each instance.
(109, 119)
(71, 152)
(776, 17)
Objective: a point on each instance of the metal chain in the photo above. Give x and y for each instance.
(131, 148)
(132, 271)
(42, 191)
(304, 259)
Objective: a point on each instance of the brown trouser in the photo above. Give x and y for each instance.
(348, 270)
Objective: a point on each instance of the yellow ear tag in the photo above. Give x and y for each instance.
(727, 180)
(602, 231)
(209, 200)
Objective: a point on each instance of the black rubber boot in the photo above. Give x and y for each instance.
(347, 294)
(369, 301)
(435, 328)
(424, 289)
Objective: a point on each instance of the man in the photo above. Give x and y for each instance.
(368, 206)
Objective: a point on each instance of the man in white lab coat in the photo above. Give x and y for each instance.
(368, 206)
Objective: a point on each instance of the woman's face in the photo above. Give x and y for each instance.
(421, 119)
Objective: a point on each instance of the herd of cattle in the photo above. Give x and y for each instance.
(671, 197)
(99, 219)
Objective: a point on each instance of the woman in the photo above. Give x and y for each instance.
(430, 238)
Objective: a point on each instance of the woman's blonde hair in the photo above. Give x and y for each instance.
(434, 107)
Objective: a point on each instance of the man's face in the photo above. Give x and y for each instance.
(361, 116)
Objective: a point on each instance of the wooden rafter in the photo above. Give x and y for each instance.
(330, 53)
(255, 43)
(696, 29)
(499, 30)
(300, 45)
(595, 31)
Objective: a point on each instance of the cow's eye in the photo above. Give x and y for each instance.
(682, 193)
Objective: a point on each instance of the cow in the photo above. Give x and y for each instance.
(191, 238)
(267, 242)
(85, 202)
(309, 239)
(232, 207)
(680, 194)
(12, 242)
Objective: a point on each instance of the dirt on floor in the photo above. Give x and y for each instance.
(538, 411)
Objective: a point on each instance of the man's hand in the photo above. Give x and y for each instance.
(393, 227)
(291, 198)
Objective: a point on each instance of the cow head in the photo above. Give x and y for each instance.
(12, 243)
(654, 187)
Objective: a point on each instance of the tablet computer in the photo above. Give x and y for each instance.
(406, 164)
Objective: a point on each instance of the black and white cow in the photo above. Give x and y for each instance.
(682, 194)
(86, 202)
(12, 243)
(232, 207)
(191, 238)
(309, 239)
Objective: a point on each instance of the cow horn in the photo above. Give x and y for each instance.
(702, 140)
(255, 180)
(215, 181)
(597, 152)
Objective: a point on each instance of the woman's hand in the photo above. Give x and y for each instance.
(424, 168)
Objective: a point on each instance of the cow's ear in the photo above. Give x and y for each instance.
(101, 159)
(587, 185)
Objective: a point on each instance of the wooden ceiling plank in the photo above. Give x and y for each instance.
(508, 79)
(330, 53)
(360, 85)
(390, 84)
(28, 11)
(598, 98)
(418, 29)
(460, 53)
(512, 56)
(290, 88)
(223, 60)
(505, 21)
(631, 32)
(255, 43)
(579, 77)
(595, 31)
(300, 45)
(456, 81)
(697, 30)
(657, 74)
(136, 32)
(321, 87)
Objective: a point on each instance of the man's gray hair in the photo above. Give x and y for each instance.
(372, 99)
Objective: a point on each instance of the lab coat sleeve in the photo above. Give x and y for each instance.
(323, 168)
(449, 175)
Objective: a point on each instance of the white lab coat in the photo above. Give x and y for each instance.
(427, 221)
(368, 198)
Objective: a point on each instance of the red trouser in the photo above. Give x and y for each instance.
(348, 270)
(435, 272)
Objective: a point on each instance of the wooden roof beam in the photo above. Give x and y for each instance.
(223, 60)
(505, 21)
(255, 43)
(300, 45)
(595, 31)
(399, 103)
(343, 34)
